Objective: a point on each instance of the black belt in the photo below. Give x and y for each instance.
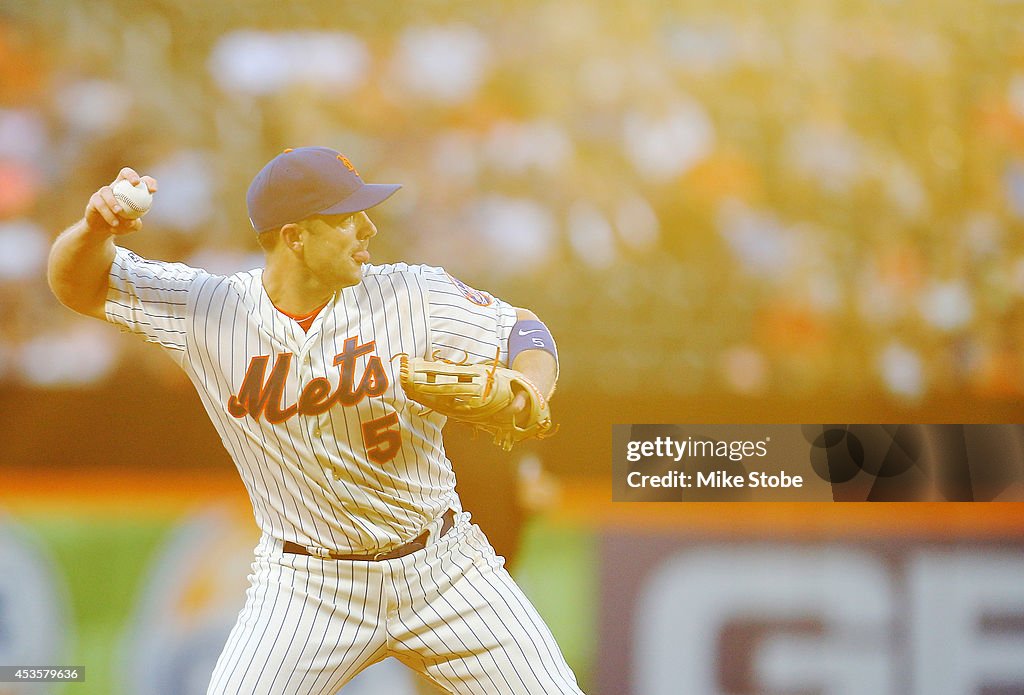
(417, 543)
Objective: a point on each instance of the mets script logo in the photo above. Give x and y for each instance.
(257, 397)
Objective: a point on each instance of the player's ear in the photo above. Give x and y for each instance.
(291, 236)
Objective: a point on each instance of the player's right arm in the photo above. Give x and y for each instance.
(79, 264)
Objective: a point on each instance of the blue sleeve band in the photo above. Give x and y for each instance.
(530, 335)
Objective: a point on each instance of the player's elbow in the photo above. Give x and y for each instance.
(71, 293)
(525, 315)
(78, 303)
(57, 282)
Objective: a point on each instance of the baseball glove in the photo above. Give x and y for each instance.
(477, 394)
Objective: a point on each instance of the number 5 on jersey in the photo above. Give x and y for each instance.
(382, 438)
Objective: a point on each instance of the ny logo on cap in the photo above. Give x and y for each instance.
(348, 164)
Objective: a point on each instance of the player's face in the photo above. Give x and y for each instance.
(335, 248)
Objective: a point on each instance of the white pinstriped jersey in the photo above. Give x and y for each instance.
(331, 451)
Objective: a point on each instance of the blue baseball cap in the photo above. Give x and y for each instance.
(307, 181)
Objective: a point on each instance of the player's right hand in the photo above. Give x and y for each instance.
(102, 212)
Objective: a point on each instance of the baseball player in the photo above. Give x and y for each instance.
(365, 550)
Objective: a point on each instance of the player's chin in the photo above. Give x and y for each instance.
(352, 274)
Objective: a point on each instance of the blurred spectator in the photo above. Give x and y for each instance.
(259, 63)
(444, 64)
(23, 250)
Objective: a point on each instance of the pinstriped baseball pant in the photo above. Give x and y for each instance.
(450, 611)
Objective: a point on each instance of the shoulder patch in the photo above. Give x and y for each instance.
(476, 296)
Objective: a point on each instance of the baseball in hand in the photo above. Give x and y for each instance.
(134, 200)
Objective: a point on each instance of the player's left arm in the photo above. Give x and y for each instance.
(466, 325)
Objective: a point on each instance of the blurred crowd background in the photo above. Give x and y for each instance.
(704, 199)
